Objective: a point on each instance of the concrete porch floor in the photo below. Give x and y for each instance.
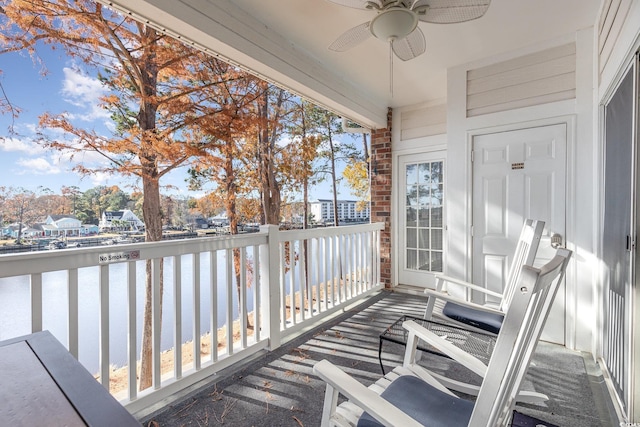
(279, 388)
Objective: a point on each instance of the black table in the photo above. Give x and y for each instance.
(478, 344)
(41, 384)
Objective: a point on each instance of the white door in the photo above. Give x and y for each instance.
(517, 175)
(421, 237)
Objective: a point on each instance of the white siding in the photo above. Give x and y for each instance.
(614, 13)
(423, 121)
(534, 79)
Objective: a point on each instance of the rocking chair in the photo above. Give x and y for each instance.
(411, 396)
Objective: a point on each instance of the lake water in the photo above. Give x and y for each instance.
(15, 311)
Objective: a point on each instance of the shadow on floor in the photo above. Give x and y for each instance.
(280, 389)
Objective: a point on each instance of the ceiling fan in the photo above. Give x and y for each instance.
(396, 22)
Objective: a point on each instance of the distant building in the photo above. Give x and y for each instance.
(197, 221)
(322, 211)
(89, 229)
(120, 220)
(61, 225)
(12, 231)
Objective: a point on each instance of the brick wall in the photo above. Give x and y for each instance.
(381, 193)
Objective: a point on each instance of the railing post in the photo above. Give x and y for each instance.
(270, 286)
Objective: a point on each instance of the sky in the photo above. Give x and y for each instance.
(66, 88)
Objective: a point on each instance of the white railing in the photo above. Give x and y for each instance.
(92, 300)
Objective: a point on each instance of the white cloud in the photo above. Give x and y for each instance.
(86, 158)
(83, 92)
(100, 178)
(38, 166)
(26, 145)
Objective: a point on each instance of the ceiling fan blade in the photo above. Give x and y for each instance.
(450, 11)
(357, 4)
(351, 38)
(411, 46)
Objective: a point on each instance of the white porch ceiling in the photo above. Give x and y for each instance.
(286, 41)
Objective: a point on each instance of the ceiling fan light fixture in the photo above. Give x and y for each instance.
(393, 24)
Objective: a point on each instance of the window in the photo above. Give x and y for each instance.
(424, 222)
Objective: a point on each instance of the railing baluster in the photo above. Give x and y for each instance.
(36, 302)
(257, 303)
(316, 272)
(229, 301)
(305, 304)
(156, 321)
(340, 275)
(177, 316)
(371, 264)
(326, 262)
(376, 257)
(104, 325)
(213, 297)
(72, 321)
(196, 310)
(348, 257)
(243, 313)
(333, 268)
(354, 264)
(283, 287)
(292, 283)
(361, 237)
(132, 376)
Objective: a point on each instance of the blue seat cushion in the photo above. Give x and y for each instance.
(423, 403)
(491, 322)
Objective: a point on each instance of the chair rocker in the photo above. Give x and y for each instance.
(411, 396)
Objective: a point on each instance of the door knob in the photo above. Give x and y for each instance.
(556, 241)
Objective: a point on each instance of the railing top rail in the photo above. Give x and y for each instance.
(63, 259)
(20, 264)
(330, 231)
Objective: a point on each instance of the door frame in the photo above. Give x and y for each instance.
(427, 145)
(570, 122)
(633, 393)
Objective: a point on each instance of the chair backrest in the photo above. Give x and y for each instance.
(517, 340)
(525, 254)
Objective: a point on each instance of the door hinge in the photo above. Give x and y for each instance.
(472, 156)
(472, 231)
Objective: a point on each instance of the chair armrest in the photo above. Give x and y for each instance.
(444, 346)
(470, 286)
(446, 297)
(367, 399)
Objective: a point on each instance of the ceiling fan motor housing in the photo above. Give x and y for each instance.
(393, 24)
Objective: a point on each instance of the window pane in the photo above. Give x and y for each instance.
(412, 195)
(411, 238)
(411, 174)
(436, 262)
(424, 173)
(423, 217)
(436, 172)
(436, 217)
(424, 263)
(412, 259)
(423, 238)
(423, 195)
(437, 195)
(436, 238)
(411, 217)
